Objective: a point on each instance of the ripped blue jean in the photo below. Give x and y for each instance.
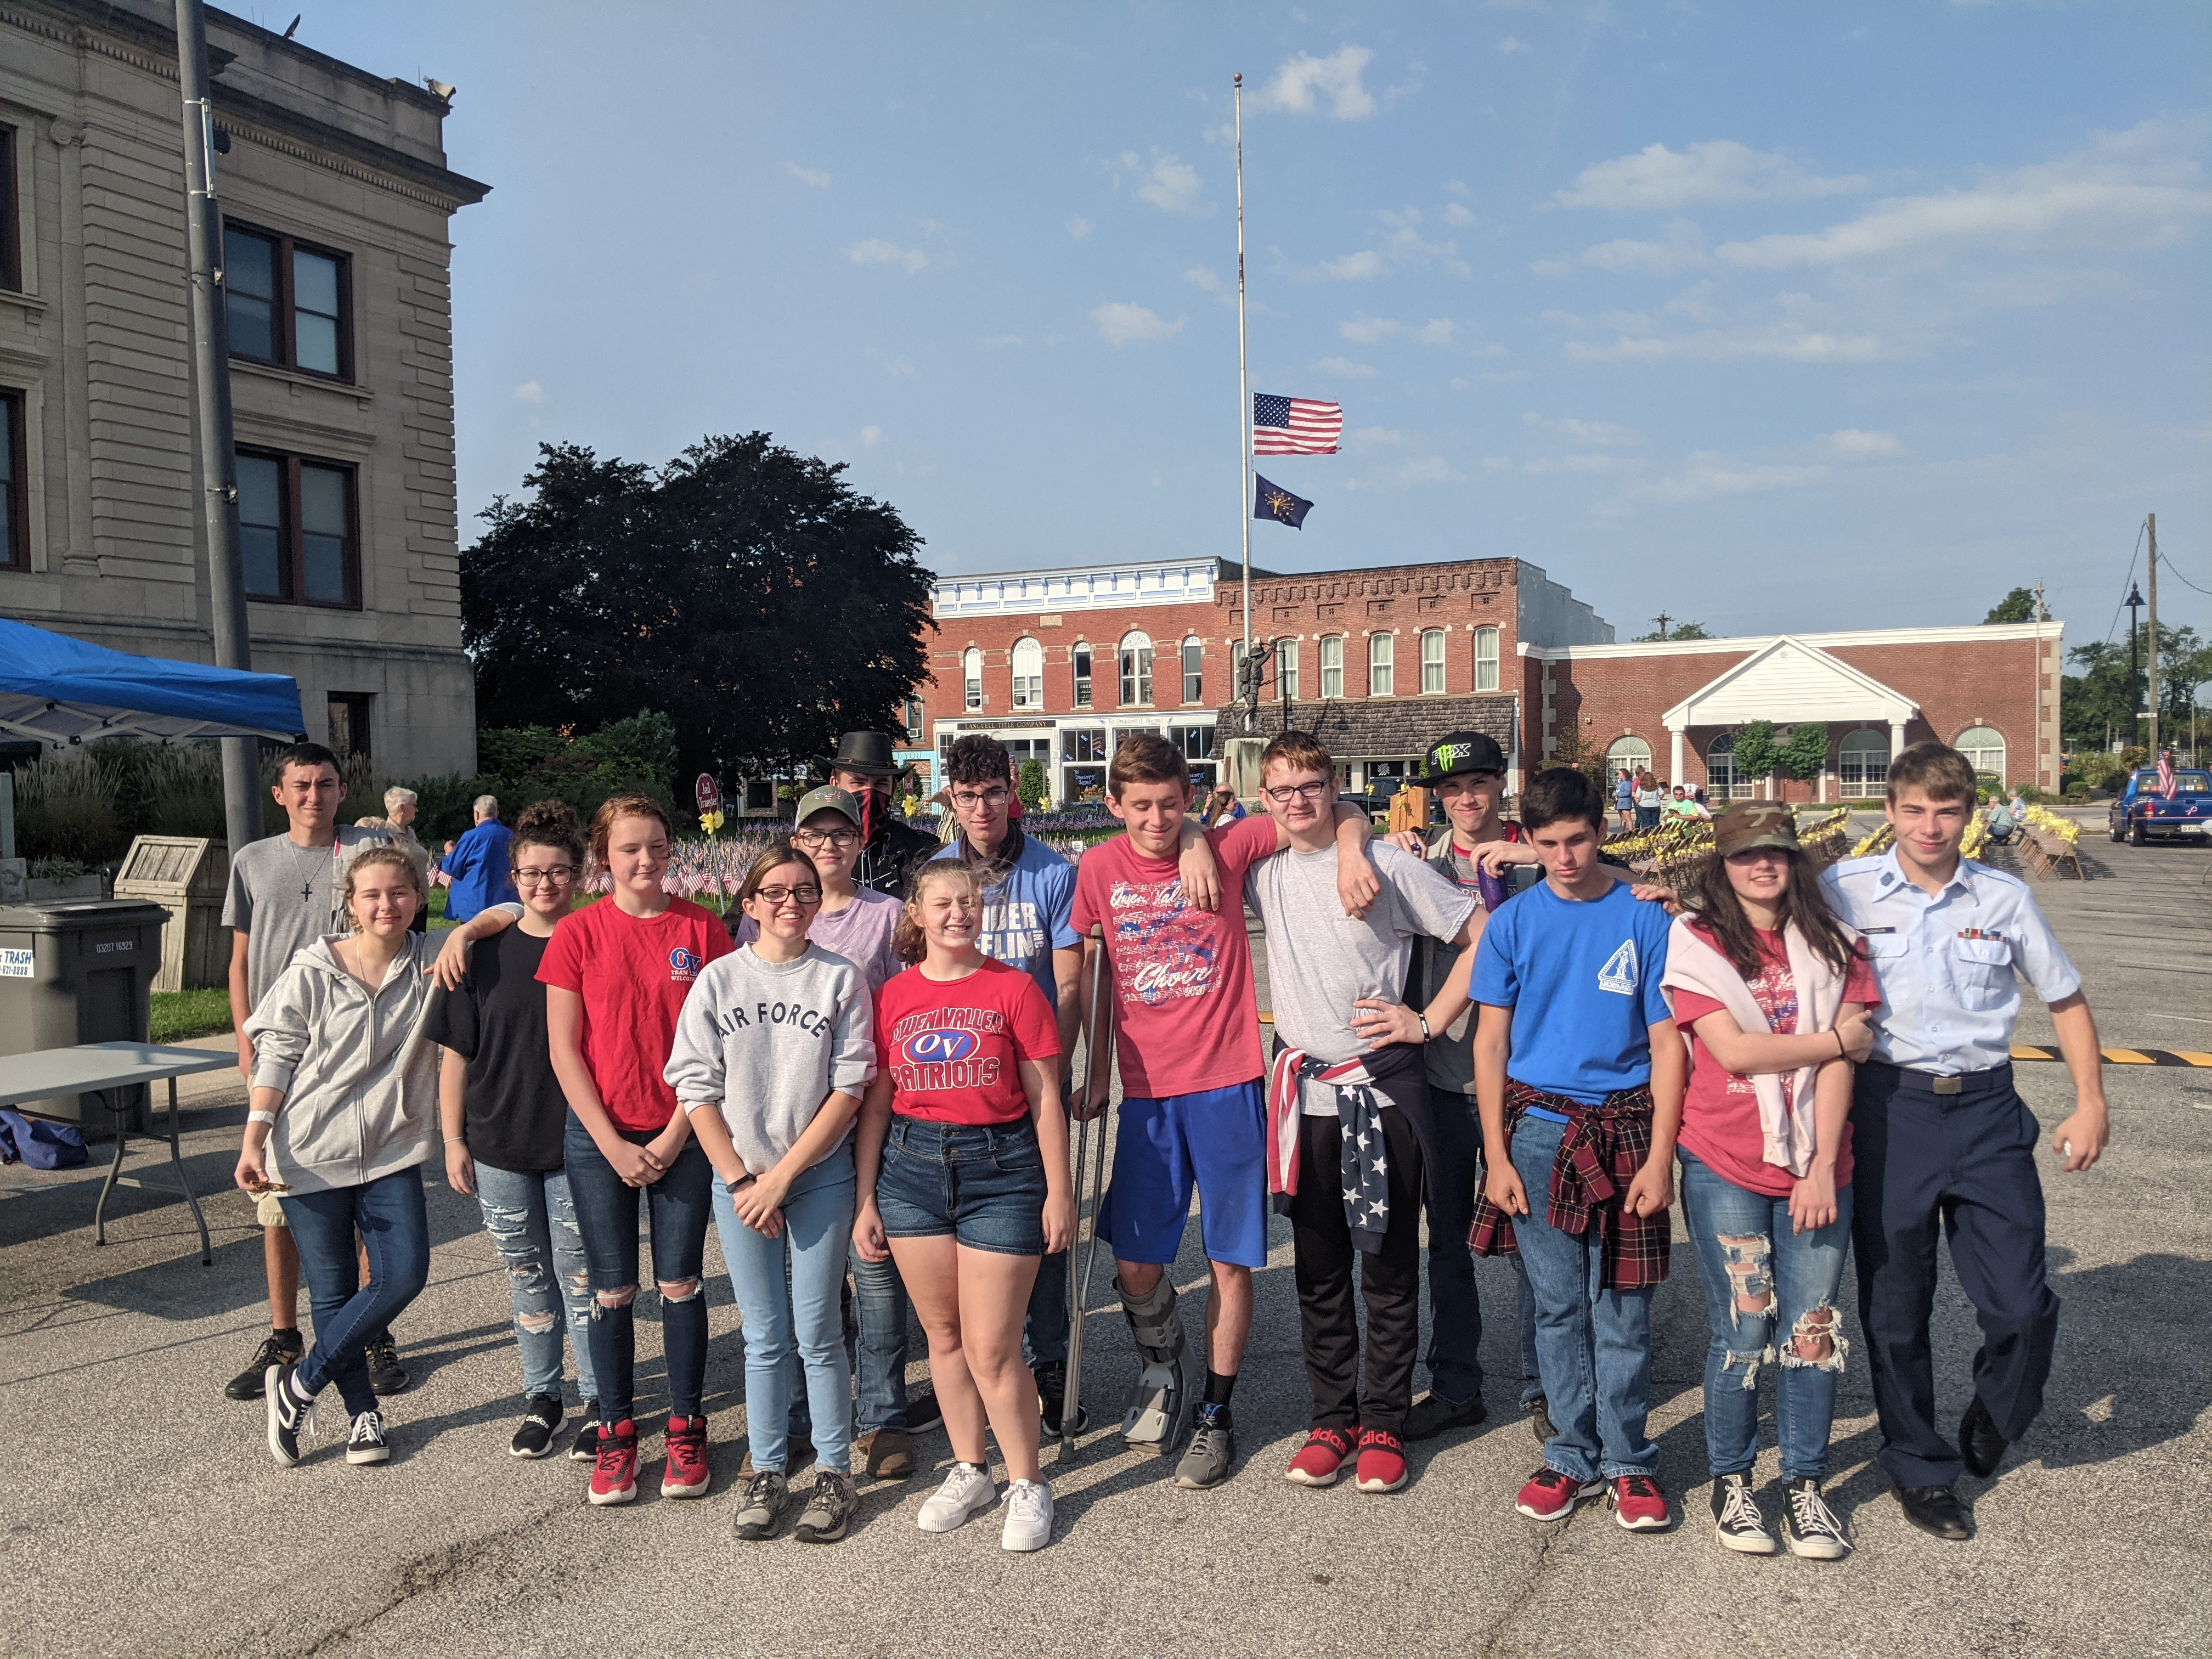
(1761, 1280)
(533, 1223)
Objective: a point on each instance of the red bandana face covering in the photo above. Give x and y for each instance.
(871, 810)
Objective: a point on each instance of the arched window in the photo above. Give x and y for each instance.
(1286, 671)
(1721, 779)
(1193, 670)
(1382, 659)
(1486, 660)
(1081, 661)
(971, 670)
(1432, 661)
(1863, 764)
(1136, 670)
(1628, 754)
(1029, 674)
(1332, 668)
(1983, 746)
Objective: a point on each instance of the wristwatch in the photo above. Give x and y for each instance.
(1426, 1035)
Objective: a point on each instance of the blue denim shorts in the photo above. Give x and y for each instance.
(983, 1184)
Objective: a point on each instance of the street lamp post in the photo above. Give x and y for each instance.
(2133, 603)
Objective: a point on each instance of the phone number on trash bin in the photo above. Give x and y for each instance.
(15, 964)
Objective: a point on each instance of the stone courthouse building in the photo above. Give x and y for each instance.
(335, 198)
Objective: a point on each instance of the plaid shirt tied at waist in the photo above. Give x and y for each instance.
(1600, 1152)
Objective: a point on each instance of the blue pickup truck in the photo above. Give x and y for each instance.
(2141, 811)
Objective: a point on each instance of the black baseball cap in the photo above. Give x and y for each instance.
(1462, 753)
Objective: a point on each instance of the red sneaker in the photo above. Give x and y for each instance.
(1551, 1495)
(1639, 1505)
(614, 1471)
(1382, 1462)
(686, 1474)
(1320, 1460)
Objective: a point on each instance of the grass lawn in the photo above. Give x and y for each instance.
(181, 1014)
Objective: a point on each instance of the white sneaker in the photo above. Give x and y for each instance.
(969, 1489)
(366, 1445)
(1028, 1516)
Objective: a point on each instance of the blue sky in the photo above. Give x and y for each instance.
(1777, 317)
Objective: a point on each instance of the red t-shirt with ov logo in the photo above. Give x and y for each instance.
(951, 1047)
(633, 974)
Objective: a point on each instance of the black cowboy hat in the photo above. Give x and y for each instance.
(866, 752)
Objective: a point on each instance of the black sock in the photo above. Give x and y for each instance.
(1218, 1388)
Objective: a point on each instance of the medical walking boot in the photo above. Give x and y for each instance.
(1151, 1421)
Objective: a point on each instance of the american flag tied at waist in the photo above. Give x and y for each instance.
(1600, 1150)
(1364, 1167)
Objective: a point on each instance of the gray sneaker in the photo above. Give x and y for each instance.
(1213, 1448)
(761, 1509)
(830, 1511)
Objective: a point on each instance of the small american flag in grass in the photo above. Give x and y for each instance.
(1295, 426)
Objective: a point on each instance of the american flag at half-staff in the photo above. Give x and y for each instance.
(1295, 426)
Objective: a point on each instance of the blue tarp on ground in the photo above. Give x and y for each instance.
(60, 690)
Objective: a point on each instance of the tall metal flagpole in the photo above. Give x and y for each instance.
(1243, 410)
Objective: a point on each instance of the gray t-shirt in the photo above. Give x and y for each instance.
(284, 895)
(1320, 961)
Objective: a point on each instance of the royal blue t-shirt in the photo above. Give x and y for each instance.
(1025, 917)
(1581, 978)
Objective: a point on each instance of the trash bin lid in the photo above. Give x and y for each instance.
(70, 915)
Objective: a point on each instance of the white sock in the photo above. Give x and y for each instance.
(299, 1394)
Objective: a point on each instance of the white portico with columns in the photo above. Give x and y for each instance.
(1786, 681)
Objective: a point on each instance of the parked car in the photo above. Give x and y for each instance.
(2141, 812)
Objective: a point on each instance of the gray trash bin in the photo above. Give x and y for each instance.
(75, 971)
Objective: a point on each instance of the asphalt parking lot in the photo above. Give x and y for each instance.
(144, 1515)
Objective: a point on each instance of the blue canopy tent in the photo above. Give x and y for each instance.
(62, 691)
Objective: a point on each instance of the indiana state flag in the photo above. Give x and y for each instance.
(1271, 500)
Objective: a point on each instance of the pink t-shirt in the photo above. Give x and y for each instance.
(1187, 1020)
(1720, 1107)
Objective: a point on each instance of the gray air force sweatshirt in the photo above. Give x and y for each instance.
(768, 1041)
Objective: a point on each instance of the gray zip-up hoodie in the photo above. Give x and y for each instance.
(359, 1079)
(768, 1041)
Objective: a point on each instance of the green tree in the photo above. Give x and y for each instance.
(1030, 785)
(2017, 606)
(1805, 755)
(1757, 751)
(2101, 704)
(1688, 630)
(745, 588)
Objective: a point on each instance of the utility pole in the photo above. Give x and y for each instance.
(2151, 645)
(218, 466)
(1662, 619)
(1243, 408)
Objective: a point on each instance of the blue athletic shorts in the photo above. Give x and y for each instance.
(1217, 1137)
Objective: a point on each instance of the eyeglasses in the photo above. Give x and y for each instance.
(559, 876)
(826, 837)
(1291, 791)
(970, 801)
(806, 894)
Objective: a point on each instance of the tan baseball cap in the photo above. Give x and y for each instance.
(828, 799)
(1744, 824)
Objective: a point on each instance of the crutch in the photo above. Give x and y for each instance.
(1088, 1146)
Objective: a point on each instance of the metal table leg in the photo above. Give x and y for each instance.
(114, 1167)
(177, 1163)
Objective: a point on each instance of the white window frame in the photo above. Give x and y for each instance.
(1432, 662)
(1135, 660)
(1486, 660)
(971, 675)
(1974, 752)
(1382, 665)
(1027, 660)
(1332, 668)
(1193, 669)
(1857, 776)
(1286, 671)
(1080, 660)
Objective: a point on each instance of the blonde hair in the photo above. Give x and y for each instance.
(908, 939)
(383, 851)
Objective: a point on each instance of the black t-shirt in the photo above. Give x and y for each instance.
(515, 1113)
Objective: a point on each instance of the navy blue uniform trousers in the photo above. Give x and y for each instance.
(1964, 1162)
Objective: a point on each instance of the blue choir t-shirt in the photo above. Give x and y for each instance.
(1581, 977)
(1025, 917)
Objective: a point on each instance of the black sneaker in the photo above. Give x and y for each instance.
(830, 1511)
(1051, 1395)
(1432, 1415)
(366, 1444)
(288, 1417)
(277, 1348)
(535, 1437)
(585, 1449)
(386, 1374)
(922, 1410)
(1809, 1526)
(1736, 1520)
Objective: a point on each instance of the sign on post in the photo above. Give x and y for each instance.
(707, 793)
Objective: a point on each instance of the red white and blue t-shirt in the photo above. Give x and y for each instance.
(633, 974)
(952, 1047)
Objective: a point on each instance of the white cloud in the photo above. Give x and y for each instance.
(1377, 437)
(1853, 441)
(1121, 324)
(1354, 267)
(531, 392)
(1603, 434)
(1707, 474)
(898, 364)
(1590, 462)
(2141, 188)
(1079, 227)
(1792, 341)
(812, 178)
(1346, 366)
(1454, 187)
(1429, 470)
(1456, 213)
(1722, 170)
(871, 437)
(1202, 276)
(1366, 331)
(1681, 249)
(1511, 44)
(1305, 81)
(876, 252)
(1169, 183)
